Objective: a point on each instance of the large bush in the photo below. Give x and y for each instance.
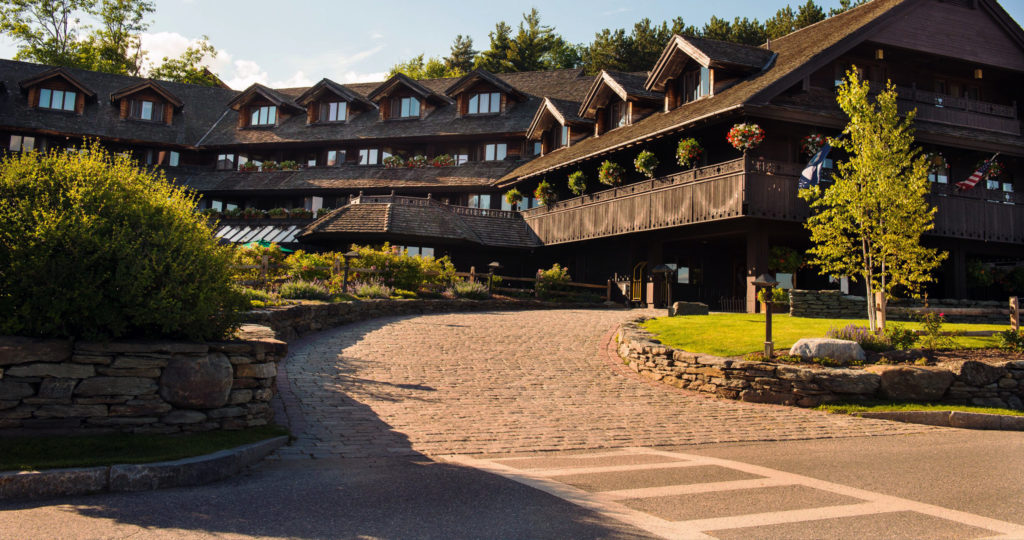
(92, 246)
(397, 269)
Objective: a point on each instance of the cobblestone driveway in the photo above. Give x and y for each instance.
(508, 382)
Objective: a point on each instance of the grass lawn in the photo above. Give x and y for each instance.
(734, 334)
(36, 453)
(848, 408)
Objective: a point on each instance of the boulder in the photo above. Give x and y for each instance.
(689, 308)
(977, 373)
(837, 349)
(848, 381)
(912, 382)
(197, 383)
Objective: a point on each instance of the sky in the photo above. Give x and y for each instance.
(296, 43)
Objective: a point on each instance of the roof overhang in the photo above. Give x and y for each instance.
(327, 86)
(681, 51)
(400, 80)
(258, 90)
(56, 73)
(547, 110)
(482, 75)
(147, 85)
(605, 85)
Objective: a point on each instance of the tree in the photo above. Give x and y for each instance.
(495, 59)
(808, 14)
(418, 68)
(460, 60)
(845, 5)
(869, 223)
(47, 31)
(188, 67)
(780, 24)
(117, 44)
(716, 28)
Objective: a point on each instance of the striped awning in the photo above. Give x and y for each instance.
(243, 234)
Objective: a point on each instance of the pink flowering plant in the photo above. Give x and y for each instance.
(610, 173)
(393, 162)
(444, 160)
(745, 137)
(418, 161)
(552, 279)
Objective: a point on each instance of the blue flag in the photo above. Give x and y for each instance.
(811, 175)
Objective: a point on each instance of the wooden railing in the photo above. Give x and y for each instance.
(429, 201)
(959, 111)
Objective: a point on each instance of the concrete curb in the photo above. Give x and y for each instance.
(143, 477)
(957, 419)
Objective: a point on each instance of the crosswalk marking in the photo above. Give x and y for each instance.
(608, 502)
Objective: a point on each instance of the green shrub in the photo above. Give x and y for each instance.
(473, 290)
(402, 293)
(253, 256)
(96, 247)
(778, 295)
(1014, 341)
(308, 266)
(256, 297)
(645, 163)
(545, 193)
(900, 337)
(399, 270)
(933, 337)
(304, 290)
(513, 197)
(863, 336)
(371, 289)
(552, 279)
(578, 183)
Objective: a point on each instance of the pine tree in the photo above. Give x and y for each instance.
(868, 224)
(495, 59)
(460, 60)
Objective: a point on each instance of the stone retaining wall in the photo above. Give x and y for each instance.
(836, 305)
(137, 386)
(289, 322)
(975, 383)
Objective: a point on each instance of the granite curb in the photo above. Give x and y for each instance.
(956, 419)
(191, 471)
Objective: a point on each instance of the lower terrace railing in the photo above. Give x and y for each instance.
(752, 188)
(430, 201)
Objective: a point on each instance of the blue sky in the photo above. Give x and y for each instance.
(298, 42)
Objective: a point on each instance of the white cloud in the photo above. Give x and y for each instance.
(245, 73)
(296, 80)
(356, 77)
(376, 35)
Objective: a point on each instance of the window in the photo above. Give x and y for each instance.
(57, 99)
(461, 158)
(617, 116)
(337, 157)
(311, 160)
(696, 84)
(21, 143)
(564, 139)
(225, 162)
(479, 200)
(495, 152)
(173, 158)
(368, 156)
(264, 116)
(336, 111)
(938, 176)
(146, 110)
(486, 103)
(537, 146)
(417, 251)
(408, 107)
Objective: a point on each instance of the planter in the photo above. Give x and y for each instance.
(776, 307)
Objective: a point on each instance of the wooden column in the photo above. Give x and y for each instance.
(757, 263)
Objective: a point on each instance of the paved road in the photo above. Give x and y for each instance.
(509, 382)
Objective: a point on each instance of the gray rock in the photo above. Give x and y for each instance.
(848, 381)
(115, 386)
(70, 411)
(15, 390)
(689, 308)
(123, 362)
(912, 382)
(837, 349)
(977, 373)
(183, 417)
(57, 388)
(74, 371)
(256, 371)
(21, 350)
(201, 383)
(52, 483)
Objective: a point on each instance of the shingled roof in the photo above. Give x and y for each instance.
(563, 111)
(406, 218)
(628, 86)
(203, 106)
(797, 53)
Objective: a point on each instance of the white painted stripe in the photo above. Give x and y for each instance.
(654, 525)
(687, 489)
(611, 453)
(565, 471)
(787, 516)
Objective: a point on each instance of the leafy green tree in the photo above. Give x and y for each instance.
(460, 60)
(780, 24)
(47, 31)
(808, 14)
(869, 223)
(117, 44)
(845, 5)
(418, 68)
(495, 58)
(717, 28)
(188, 68)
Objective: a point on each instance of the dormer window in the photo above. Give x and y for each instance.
(59, 100)
(696, 84)
(407, 107)
(485, 103)
(264, 116)
(335, 111)
(564, 139)
(150, 111)
(618, 114)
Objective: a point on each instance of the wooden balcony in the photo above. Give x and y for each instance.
(960, 112)
(755, 188)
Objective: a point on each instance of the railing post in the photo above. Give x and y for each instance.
(1015, 313)
(880, 310)
(472, 274)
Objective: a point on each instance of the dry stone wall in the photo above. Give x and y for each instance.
(973, 383)
(138, 386)
(836, 305)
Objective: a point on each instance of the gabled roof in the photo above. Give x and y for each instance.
(562, 111)
(147, 85)
(628, 86)
(340, 90)
(468, 79)
(270, 95)
(400, 79)
(709, 53)
(798, 54)
(56, 72)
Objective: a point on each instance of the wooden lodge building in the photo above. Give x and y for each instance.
(959, 63)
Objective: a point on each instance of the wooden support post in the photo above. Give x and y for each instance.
(1015, 313)
(472, 274)
(608, 292)
(336, 268)
(344, 279)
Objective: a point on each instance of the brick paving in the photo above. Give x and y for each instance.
(501, 382)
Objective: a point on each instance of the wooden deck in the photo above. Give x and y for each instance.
(752, 188)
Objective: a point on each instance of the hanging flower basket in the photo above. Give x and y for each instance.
(645, 163)
(745, 137)
(812, 143)
(937, 163)
(688, 152)
(610, 173)
(393, 162)
(545, 193)
(578, 183)
(995, 170)
(513, 197)
(417, 161)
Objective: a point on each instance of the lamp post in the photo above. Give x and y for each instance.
(348, 257)
(767, 281)
(493, 267)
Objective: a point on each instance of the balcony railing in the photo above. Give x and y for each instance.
(429, 201)
(959, 111)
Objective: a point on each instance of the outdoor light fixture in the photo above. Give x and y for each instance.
(977, 73)
(767, 281)
(879, 54)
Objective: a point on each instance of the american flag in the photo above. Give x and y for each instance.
(973, 179)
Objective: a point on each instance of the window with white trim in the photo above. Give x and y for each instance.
(495, 151)
(368, 156)
(485, 103)
(22, 143)
(408, 107)
(335, 111)
(142, 109)
(264, 116)
(60, 100)
(336, 157)
(479, 200)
